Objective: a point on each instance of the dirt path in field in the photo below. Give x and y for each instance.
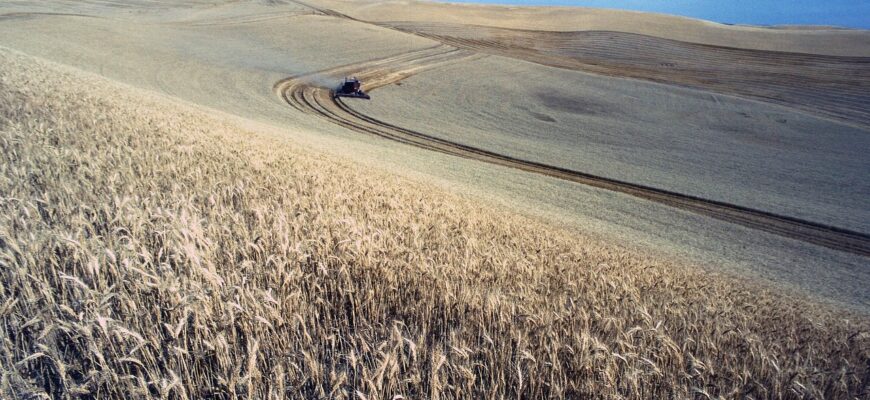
(304, 94)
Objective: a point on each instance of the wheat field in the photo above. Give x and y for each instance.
(150, 249)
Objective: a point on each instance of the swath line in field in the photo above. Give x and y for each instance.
(319, 101)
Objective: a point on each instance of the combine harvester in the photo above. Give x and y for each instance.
(351, 87)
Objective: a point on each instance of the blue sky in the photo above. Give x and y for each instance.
(846, 13)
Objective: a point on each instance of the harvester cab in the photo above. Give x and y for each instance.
(350, 87)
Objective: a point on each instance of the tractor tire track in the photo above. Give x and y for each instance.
(303, 95)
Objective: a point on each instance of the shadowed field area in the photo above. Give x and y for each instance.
(833, 86)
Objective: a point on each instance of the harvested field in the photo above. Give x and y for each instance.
(306, 97)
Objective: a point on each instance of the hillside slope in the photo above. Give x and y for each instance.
(838, 42)
(148, 249)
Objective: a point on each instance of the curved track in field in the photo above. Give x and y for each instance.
(304, 95)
